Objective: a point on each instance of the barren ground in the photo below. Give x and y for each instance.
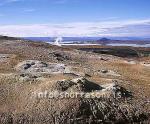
(19, 78)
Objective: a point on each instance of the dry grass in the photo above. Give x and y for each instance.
(15, 93)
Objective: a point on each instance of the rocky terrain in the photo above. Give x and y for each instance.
(111, 89)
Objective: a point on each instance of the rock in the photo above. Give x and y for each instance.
(28, 77)
(104, 59)
(116, 90)
(130, 62)
(108, 72)
(147, 64)
(63, 85)
(104, 71)
(82, 84)
(87, 75)
(6, 118)
(61, 56)
(4, 57)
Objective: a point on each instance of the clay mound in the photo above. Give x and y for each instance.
(77, 110)
(77, 84)
(85, 86)
(89, 111)
(35, 66)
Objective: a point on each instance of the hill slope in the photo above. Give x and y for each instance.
(31, 71)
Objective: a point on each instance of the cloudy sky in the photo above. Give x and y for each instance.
(28, 18)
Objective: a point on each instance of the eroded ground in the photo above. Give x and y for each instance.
(27, 67)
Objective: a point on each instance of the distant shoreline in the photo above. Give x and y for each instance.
(76, 41)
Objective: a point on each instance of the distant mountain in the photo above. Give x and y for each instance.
(103, 41)
(130, 38)
(106, 41)
(7, 38)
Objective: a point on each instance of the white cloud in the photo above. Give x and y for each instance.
(103, 28)
(3, 2)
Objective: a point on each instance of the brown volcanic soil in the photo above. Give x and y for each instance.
(121, 51)
(98, 70)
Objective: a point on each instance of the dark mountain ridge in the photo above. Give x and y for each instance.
(105, 41)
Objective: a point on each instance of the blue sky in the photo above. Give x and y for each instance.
(75, 18)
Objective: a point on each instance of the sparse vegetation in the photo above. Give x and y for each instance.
(21, 74)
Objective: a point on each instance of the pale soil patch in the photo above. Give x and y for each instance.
(147, 64)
